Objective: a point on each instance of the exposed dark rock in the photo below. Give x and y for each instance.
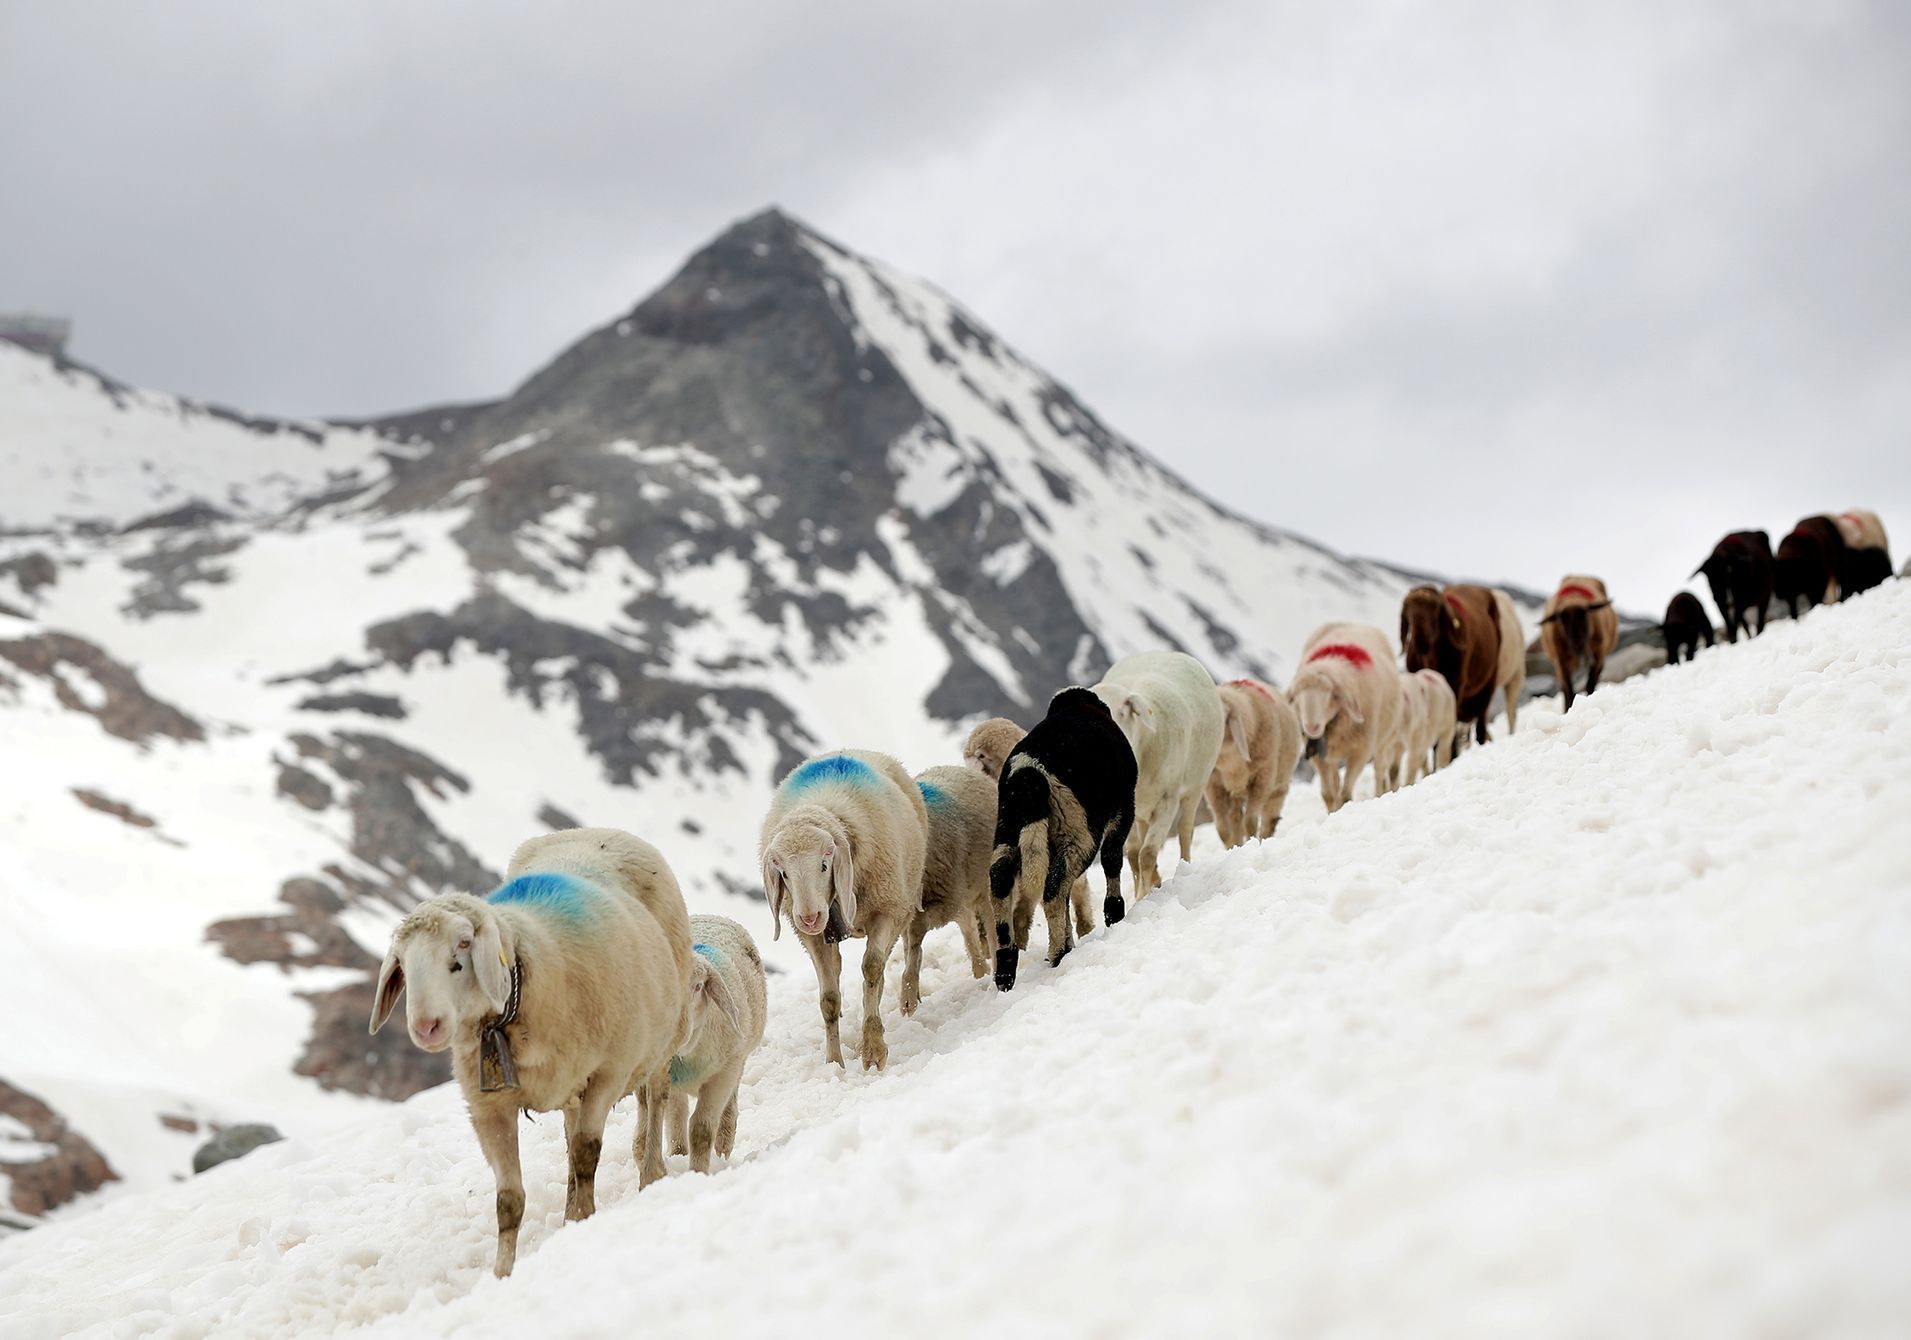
(172, 565)
(69, 1167)
(269, 939)
(371, 704)
(233, 1142)
(195, 513)
(555, 819)
(307, 788)
(119, 809)
(30, 572)
(124, 708)
(341, 1055)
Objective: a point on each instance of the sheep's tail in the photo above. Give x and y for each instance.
(1021, 853)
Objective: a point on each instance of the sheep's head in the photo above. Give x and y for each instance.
(1425, 623)
(1318, 698)
(989, 745)
(807, 864)
(448, 958)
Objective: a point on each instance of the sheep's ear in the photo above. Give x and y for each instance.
(773, 890)
(707, 987)
(1350, 707)
(842, 883)
(1549, 618)
(488, 964)
(1237, 729)
(1602, 605)
(1130, 708)
(391, 980)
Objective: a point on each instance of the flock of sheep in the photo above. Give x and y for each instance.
(584, 978)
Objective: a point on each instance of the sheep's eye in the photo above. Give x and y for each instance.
(456, 966)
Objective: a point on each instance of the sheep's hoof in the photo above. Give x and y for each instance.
(1112, 909)
(911, 997)
(1005, 968)
(875, 1053)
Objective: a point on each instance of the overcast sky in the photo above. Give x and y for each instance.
(1504, 289)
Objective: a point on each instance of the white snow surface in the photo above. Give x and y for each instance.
(76, 448)
(1600, 1031)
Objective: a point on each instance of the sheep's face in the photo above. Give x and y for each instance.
(1314, 705)
(1425, 622)
(806, 866)
(448, 959)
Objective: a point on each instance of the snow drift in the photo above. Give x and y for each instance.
(1600, 1031)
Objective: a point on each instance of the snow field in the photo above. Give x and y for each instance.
(1599, 1031)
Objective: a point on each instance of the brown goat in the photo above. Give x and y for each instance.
(1457, 632)
(1578, 628)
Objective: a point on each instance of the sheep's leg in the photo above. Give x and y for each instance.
(1112, 843)
(585, 1137)
(1512, 705)
(677, 1122)
(975, 939)
(497, 1128)
(1223, 813)
(715, 1101)
(1592, 675)
(1084, 910)
(828, 959)
(1184, 828)
(727, 1128)
(1271, 810)
(911, 992)
(881, 939)
(1057, 898)
(647, 1140)
(1024, 918)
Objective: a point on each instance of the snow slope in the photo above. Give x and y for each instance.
(1599, 1031)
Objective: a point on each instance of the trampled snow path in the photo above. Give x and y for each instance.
(1601, 1031)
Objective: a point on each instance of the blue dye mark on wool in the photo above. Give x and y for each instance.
(557, 895)
(710, 952)
(835, 768)
(932, 795)
(684, 1072)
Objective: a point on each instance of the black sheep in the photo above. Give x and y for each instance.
(1740, 574)
(1863, 569)
(1066, 794)
(1686, 624)
(1808, 562)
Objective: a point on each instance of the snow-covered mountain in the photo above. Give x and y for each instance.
(273, 682)
(1599, 1031)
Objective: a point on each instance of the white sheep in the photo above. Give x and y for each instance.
(1511, 678)
(1409, 759)
(1259, 748)
(842, 849)
(955, 872)
(565, 989)
(988, 746)
(1348, 702)
(1168, 708)
(1442, 720)
(728, 1008)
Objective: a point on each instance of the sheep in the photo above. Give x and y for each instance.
(842, 849)
(1442, 717)
(1408, 762)
(1457, 632)
(1578, 627)
(1867, 559)
(1808, 564)
(988, 746)
(1348, 704)
(1168, 708)
(955, 875)
(1739, 571)
(565, 989)
(1248, 787)
(729, 1003)
(1512, 672)
(1066, 797)
(1685, 625)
